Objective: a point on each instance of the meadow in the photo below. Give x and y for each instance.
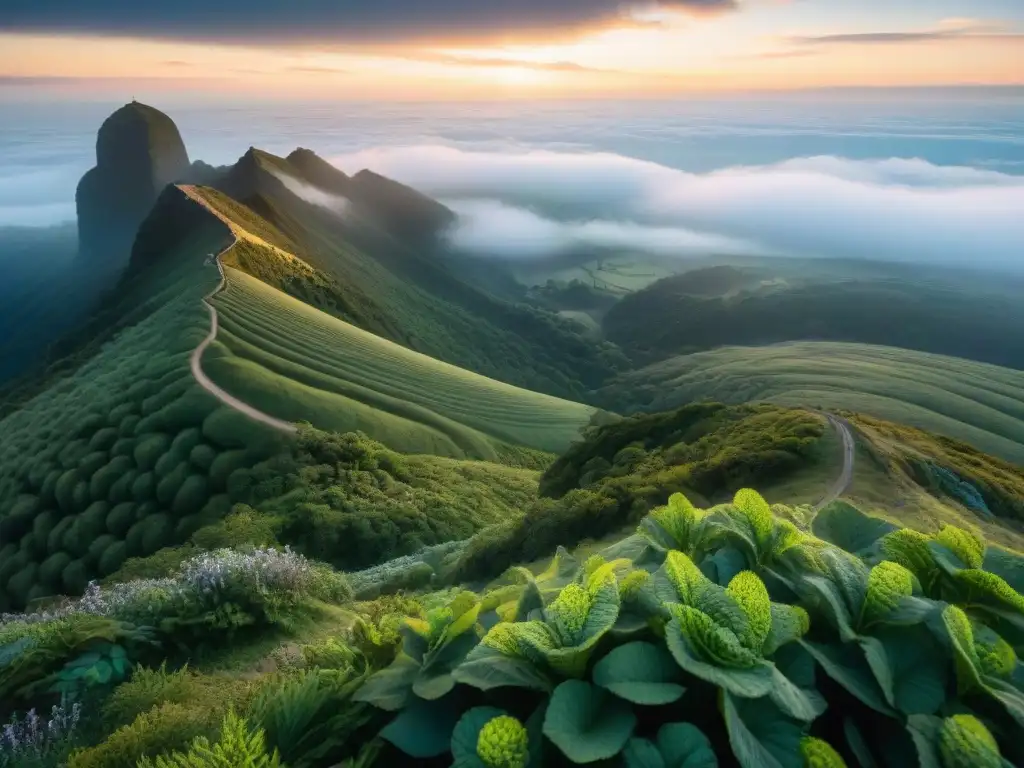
(294, 362)
(980, 404)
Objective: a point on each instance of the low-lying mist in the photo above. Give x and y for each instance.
(535, 203)
(313, 195)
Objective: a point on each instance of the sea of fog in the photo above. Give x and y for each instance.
(931, 175)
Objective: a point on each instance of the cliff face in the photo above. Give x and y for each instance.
(139, 151)
(402, 210)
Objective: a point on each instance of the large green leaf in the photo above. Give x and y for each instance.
(435, 679)
(828, 600)
(640, 672)
(844, 525)
(683, 745)
(1006, 565)
(760, 735)
(642, 753)
(751, 683)
(586, 723)
(423, 729)
(846, 665)
(917, 668)
(796, 702)
(924, 730)
(858, 744)
(391, 687)
(789, 623)
(1010, 697)
(487, 668)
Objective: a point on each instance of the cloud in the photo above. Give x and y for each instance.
(314, 195)
(493, 228)
(949, 29)
(270, 20)
(897, 209)
(542, 66)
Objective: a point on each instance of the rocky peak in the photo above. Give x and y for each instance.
(139, 151)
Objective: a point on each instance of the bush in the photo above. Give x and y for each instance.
(191, 497)
(202, 456)
(239, 745)
(165, 728)
(731, 637)
(98, 547)
(168, 487)
(224, 465)
(144, 487)
(90, 464)
(105, 477)
(120, 519)
(123, 487)
(75, 577)
(112, 558)
(149, 448)
(52, 569)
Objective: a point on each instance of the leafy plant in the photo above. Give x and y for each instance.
(238, 747)
(754, 644)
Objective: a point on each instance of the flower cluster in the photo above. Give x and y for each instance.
(35, 739)
(205, 579)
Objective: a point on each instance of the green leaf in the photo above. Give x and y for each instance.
(847, 666)
(1010, 697)
(586, 723)
(918, 667)
(423, 729)
(466, 734)
(1007, 565)
(683, 745)
(641, 753)
(844, 525)
(434, 679)
(796, 702)
(102, 672)
(828, 600)
(391, 687)
(760, 735)
(924, 730)
(751, 683)
(789, 623)
(640, 672)
(488, 668)
(858, 746)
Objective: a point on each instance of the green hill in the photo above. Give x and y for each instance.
(978, 403)
(371, 274)
(300, 364)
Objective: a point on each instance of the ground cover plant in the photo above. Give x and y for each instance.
(980, 404)
(297, 363)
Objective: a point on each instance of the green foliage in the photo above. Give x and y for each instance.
(237, 747)
(704, 449)
(164, 728)
(784, 660)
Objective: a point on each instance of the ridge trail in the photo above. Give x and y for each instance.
(195, 362)
(838, 488)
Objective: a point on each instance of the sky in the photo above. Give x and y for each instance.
(431, 49)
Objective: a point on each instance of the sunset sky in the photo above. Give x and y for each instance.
(498, 48)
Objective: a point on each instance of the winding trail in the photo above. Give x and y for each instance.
(195, 362)
(838, 488)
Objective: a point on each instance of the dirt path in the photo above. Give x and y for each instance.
(839, 487)
(204, 381)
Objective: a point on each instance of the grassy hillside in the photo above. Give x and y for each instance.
(938, 312)
(298, 363)
(370, 275)
(980, 404)
(120, 452)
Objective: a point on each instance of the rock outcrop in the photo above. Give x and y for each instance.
(139, 151)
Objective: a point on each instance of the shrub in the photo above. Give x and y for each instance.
(105, 477)
(168, 487)
(731, 637)
(50, 572)
(92, 462)
(37, 742)
(238, 745)
(224, 465)
(120, 518)
(144, 487)
(203, 456)
(149, 448)
(128, 424)
(121, 489)
(191, 496)
(165, 728)
(75, 577)
(112, 558)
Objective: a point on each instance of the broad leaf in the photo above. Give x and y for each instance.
(844, 525)
(1008, 566)
(750, 683)
(488, 668)
(917, 667)
(586, 723)
(640, 672)
(799, 703)
(683, 745)
(858, 745)
(423, 729)
(760, 735)
(1010, 697)
(847, 666)
(641, 753)
(467, 732)
(829, 601)
(924, 730)
(391, 687)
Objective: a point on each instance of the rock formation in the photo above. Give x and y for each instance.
(139, 151)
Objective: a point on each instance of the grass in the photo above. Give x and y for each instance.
(295, 362)
(617, 275)
(977, 403)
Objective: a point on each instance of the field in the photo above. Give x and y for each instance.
(978, 403)
(294, 362)
(617, 275)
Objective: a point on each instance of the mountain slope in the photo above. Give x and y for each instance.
(378, 279)
(978, 403)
